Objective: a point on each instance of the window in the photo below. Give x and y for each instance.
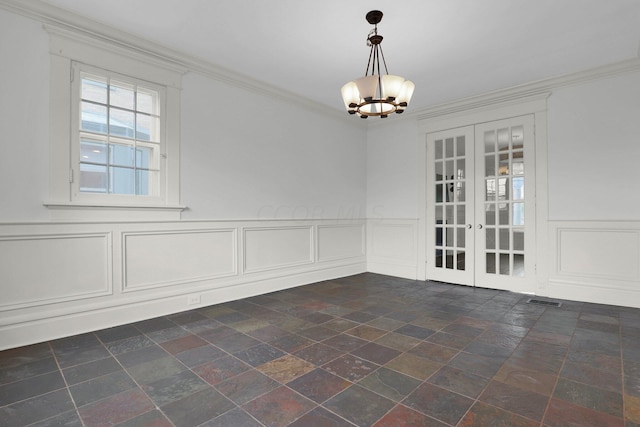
(115, 130)
(120, 138)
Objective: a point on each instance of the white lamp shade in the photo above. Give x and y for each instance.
(377, 107)
(406, 92)
(391, 86)
(350, 95)
(367, 86)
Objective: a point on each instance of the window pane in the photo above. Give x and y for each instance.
(145, 182)
(518, 214)
(491, 263)
(448, 147)
(504, 264)
(460, 145)
(490, 238)
(122, 180)
(121, 155)
(490, 142)
(147, 101)
(490, 216)
(147, 128)
(461, 215)
(94, 90)
(144, 157)
(121, 95)
(503, 214)
(93, 151)
(503, 139)
(518, 240)
(460, 237)
(449, 236)
(438, 149)
(121, 123)
(439, 234)
(461, 261)
(93, 178)
(449, 259)
(518, 188)
(504, 239)
(93, 118)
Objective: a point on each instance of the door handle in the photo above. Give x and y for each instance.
(469, 226)
(479, 226)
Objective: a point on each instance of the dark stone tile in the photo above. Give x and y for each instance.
(589, 397)
(153, 418)
(216, 334)
(221, 369)
(15, 357)
(462, 330)
(320, 417)
(318, 333)
(72, 357)
(398, 341)
(360, 316)
(234, 418)
(258, 355)
(116, 409)
(129, 344)
(279, 407)
(401, 416)
(201, 325)
(187, 317)
(344, 342)
(246, 386)
(183, 343)
(268, 333)
(67, 419)
(439, 403)
(561, 413)
(36, 409)
(351, 367)
(197, 408)
(485, 366)
(33, 386)
(366, 332)
(359, 405)
(235, 343)
(148, 372)
(231, 318)
(319, 385)
(596, 342)
(482, 414)
(434, 352)
(318, 318)
(117, 333)
(318, 354)
(414, 366)
(588, 374)
(168, 334)
(414, 331)
(174, 387)
(404, 315)
(490, 350)
(286, 368)
(75, 343)
(461, 382)
(200, 355)
(155, 324)
(291, 343)
(522, 402)
(457, 342)
(31, 368)
(101, 387)
(376, 353)
(527, 379)
(390, 384)
(145, 354)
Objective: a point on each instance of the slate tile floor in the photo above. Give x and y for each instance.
(365, 350)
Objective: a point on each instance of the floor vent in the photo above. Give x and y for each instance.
(541, 302)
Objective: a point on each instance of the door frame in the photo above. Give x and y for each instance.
(470, 114)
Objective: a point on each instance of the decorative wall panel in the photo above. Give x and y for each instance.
(340, 241)
(277, 247)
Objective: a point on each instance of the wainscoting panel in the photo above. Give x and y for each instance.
(392, 247)
(595, 261)
(177, 257)
(340, 241)
(43, 269)
(65, 278)
(277, 247)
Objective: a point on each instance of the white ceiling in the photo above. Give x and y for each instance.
(451, 49)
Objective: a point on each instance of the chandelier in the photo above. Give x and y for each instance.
(376, 94)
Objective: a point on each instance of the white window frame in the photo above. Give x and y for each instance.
(70, 51)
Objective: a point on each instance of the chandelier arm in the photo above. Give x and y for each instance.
(383, 61)
(366, 72)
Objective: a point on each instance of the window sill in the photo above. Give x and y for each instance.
(67, 211)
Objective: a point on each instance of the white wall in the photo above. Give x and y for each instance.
(594, 150)
(253, 157)
(24, 118)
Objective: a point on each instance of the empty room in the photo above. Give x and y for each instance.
(244, 213)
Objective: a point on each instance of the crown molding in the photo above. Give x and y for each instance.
(66, 21)
(541, 88)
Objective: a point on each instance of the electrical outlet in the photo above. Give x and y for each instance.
(193, 299)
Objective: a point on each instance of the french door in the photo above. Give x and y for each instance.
(481, 205)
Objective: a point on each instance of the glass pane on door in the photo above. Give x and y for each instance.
(449, 207)
(504, 189)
